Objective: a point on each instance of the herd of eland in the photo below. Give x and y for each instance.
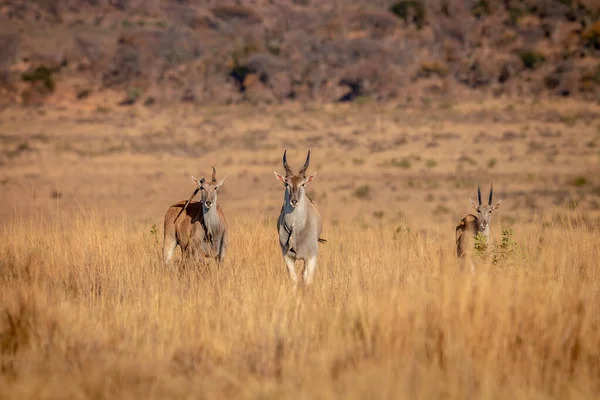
(200, 229)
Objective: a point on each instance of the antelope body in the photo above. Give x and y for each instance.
(299, 224)
(200, 227)
(471, 225)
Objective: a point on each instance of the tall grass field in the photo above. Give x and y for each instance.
(87, 310)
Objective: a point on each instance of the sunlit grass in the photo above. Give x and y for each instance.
(88, 310)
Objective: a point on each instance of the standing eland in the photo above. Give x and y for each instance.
(299, 224)
(199, 228)
(471, 225)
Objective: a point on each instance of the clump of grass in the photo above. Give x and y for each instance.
(362, 192)
(411, 11)
(358, 161)
(20, 149)
(580, 181)
(568, 119)
(434, 68)
(481, 8)
(467, 160)
(102, 109)
(40, 74)
(402, 163)
(134, 93)
(480, 244)
(531, 59)
(378, 214)
(591, 37)
(431, 163)
(507, 247)
(492, 163)
(441, 209)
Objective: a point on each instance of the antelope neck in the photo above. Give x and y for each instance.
(211, 217)
(295, 214)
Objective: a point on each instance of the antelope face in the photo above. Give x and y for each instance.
(295, 183)
(484, 212)
(210, 190)
(294, 187)
(484, 216)
(209, 193)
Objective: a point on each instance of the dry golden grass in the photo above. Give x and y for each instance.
(88, 311)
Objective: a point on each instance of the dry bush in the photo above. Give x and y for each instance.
(378, 24)
(237, 14)
(89, 311)
(316, 41)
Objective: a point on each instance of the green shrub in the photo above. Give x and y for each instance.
(507, 247)
(362, 192)
(428, 69)
(133, 93)
(378, 214)
(411, 11)
(430, 163)
(591, 37)
(481, 8)
(579, 181)
(531, 59)
(40, 74)
(403, 163)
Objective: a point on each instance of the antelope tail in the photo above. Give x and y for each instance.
(321, 240)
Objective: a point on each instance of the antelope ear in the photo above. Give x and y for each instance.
(198, 182)
(497, 204)
(310, 178)
(279, 177)
(221, 181)
(474, 205)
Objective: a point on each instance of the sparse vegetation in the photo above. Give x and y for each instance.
(434, 68)
(41, 74)
(568, 119)
(181, 329)
(363, 192)
(531, 59)
(378, 214)
(481, 245)
(507, 246)
(168, 47)
(441, 209)
(492, 163)
(411, 11)
(431, 163)
(399, 163)
(580, 181)
(481, 8)
(467, 160)
(102, 109)
(88, 310)
(591, 37)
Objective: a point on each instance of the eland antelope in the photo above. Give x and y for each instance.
(199, 228)
(471, 225)
(299, 224)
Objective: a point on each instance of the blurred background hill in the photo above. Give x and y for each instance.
(224, 52)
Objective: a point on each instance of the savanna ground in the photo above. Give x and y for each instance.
(88, 311)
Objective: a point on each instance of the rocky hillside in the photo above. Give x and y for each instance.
(221, 52)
